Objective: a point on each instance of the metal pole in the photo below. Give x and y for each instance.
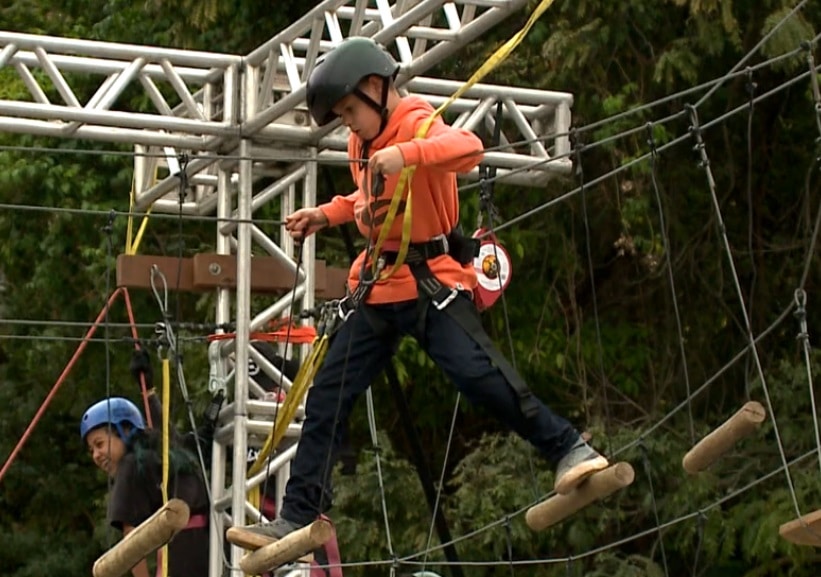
(219, 454)
(309, 250)
(243, 320)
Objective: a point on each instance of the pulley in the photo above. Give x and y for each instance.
(493, 270)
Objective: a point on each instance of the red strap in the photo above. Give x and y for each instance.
(194, 522)
(331, 547)
(269, 507)
(197, 522)
(332, 551)
(294, 334)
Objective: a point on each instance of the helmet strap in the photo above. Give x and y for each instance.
(383, 105)
(380, 107)
(125, 437)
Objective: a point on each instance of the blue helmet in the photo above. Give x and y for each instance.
(114, 411)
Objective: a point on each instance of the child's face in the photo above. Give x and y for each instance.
(357, 115)
(106, 448)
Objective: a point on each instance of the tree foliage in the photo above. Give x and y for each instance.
(590, 318)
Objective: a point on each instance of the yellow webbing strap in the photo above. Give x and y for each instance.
(407, 173)
(166, 444)
(143, 225)
(286, 413)
(131, 243)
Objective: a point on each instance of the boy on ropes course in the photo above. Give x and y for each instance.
(421, 288)
(130, 454)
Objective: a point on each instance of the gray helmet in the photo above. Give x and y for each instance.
(339, 73)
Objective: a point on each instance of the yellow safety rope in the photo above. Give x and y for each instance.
(407, 173)
(129, 230)
(299, 388)
(166, 445)
(132, 244)
(140, 232)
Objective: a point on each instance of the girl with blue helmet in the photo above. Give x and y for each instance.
(113, 415)
(129, 453)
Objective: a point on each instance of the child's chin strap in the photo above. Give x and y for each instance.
(380, 107)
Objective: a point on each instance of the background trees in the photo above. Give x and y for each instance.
(591, 316)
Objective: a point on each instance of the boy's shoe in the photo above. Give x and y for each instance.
(577, 465)
(256, 536)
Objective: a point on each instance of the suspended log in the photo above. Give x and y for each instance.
(597, 486)
(803, 531)
(146, 538)
(245, 539)
(711, 447)
(252, 541)
(290, 548)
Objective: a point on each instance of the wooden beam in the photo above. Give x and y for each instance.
(149, 536)
(288, 549)
(208, 271)
(710, 448)
(803, 531)
(597, 486)
(246, 539)
(252, 542)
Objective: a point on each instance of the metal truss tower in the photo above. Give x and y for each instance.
(241, 119)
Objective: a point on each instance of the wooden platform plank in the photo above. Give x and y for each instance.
(207, 271)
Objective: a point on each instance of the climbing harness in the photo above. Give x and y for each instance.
(461, 310)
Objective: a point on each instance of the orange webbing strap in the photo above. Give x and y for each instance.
(299, 335)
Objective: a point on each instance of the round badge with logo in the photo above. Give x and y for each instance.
(493, 270)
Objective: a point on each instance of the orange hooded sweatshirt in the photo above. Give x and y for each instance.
(444, 152)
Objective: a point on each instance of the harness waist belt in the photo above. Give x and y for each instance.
(461, 248)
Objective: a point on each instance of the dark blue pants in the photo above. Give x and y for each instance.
(368, 350)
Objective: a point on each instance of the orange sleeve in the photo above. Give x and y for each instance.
(447, 148)
(340, 209)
